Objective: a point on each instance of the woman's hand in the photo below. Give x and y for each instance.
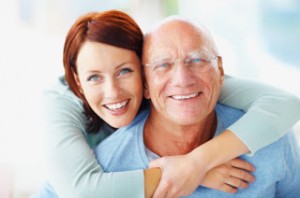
(181, 175)
(230, 176)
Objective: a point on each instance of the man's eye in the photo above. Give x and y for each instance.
(161, 65)
(125, 71)
(196, 60)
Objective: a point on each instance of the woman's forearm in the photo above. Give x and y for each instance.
(73, 168)
(218, 150)
(270, 111)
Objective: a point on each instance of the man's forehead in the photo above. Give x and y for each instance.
(174, 44)
(177, 35)
(173, 31)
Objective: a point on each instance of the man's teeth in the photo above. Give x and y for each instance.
(183, 97)
(117, 105)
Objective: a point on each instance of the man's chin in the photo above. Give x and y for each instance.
(185, 120)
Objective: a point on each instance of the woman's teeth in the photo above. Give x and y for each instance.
(117, 106)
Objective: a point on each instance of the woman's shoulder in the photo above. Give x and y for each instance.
(61, 107)
(59, 92)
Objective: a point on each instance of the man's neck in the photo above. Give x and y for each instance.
(166, 138)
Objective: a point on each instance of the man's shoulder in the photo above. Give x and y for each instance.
(224, 111)
(120, 149)
(273, 164)
(279, 153)
(281, 146)
(226, 116)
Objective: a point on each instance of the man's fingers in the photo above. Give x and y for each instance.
(236, 182)
(229, 189)
(242, 175)
(239, 163)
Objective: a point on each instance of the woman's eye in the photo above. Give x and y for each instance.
(93, 78)
(125, 71)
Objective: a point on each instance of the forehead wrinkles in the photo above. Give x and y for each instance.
(193, 33)
(174, 43)
(155, 47)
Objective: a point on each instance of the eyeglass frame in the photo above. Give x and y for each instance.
(186, 61)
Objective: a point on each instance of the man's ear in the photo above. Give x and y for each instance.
(146, 91)
(145, 85)
(221, 69)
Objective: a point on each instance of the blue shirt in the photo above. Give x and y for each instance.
(277, 166)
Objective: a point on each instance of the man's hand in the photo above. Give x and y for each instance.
(230, 176)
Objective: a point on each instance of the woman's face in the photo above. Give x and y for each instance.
(111, 81)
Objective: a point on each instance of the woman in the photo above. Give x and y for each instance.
(73, 168)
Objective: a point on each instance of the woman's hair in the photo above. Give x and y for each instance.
(110, 27)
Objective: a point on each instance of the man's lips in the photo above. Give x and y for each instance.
(185, 96)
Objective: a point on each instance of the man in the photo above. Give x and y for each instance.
(184, 74)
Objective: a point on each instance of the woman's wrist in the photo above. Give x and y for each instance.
(218, 150)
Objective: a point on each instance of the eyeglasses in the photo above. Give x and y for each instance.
(196, 63)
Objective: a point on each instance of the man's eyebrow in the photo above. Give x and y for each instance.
(197, 53)
(194, 53)
(157, 57)
(160, 59)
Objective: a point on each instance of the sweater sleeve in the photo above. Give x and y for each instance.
(270, 111)
(73, 169)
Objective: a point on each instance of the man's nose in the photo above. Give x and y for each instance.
(182, 76)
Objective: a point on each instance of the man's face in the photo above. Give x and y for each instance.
(183, 75)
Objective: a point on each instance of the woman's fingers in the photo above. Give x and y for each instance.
(161, 191)
(180, 176)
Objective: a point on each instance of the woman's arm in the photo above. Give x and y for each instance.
(73, 169)
(182, 174)
(270, 111)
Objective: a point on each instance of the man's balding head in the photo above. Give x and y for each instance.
(181, 28)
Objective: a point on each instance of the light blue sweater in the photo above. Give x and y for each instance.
(277, 165)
